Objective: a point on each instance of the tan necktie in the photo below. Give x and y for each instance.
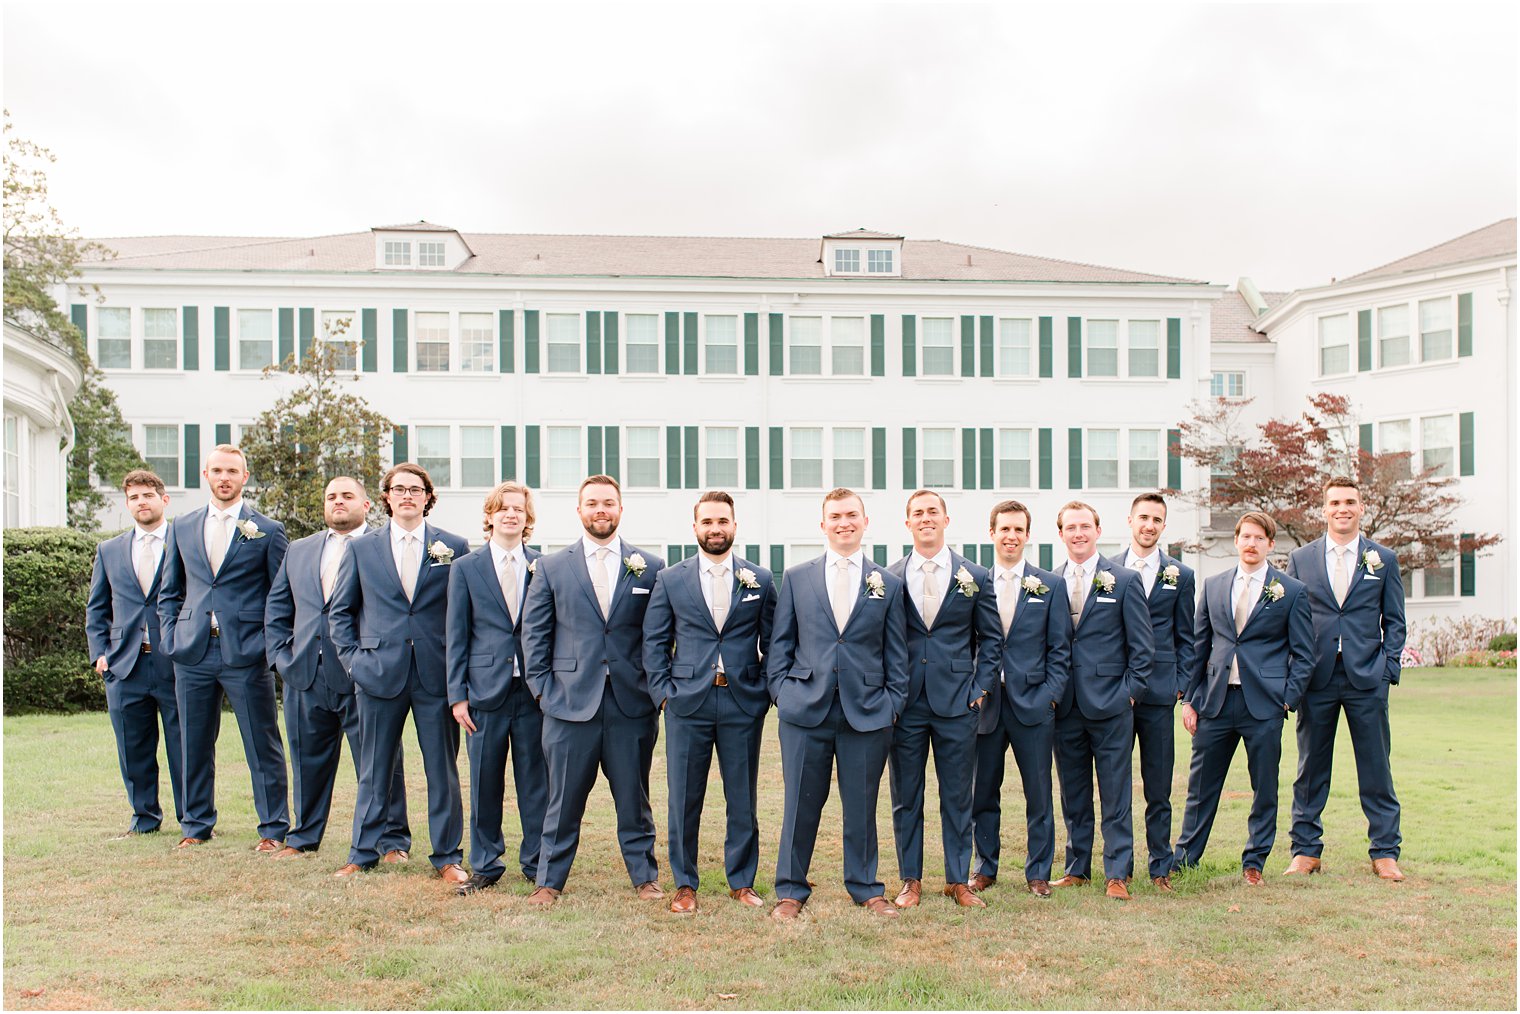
(1078, 595)
(1342, 580)
(599, 582)
(1008, 602)
(146, 567)
(931, 593)
(844, 600)
(409, 564)
(1143, 568)
(219, 544)
(1242, 614)
(508, 578)
(330, 572)
(722, 596)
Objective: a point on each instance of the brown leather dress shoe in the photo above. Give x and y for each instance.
(267, 845)
(787, 910)
(453, 873)
(1387, 869)
(909, 896)
(747, 896)
(685, 901)
(348, 870)
(288, 852)
(650, 891)
(185, 843)
(980, 881)
(1163, 884)
(1116, 889)
(1252, 876)
(544, 897)
(879, 905)
(396, 856)
(1070, 881)
(1038, 888)
(1302, 866)
(964, 896)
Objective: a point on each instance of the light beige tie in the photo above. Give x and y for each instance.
(599, 582)
(410, 561)
(722, 596)
(146, 567)
(1008, 602)
(844, 600)
(931, 593)
(1242, 614)
(219, 544)
(1078, 595)
(508, 578)
(330, 572)
(1342, 580)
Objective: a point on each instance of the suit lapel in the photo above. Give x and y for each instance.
(425, 564)
(579, 564)
(625, 579)
(860, 591)
(237, 538)
(1261, 597)
(193, 545)
(387, 551)
(1091, 592)
(915, 615)
(693, 583)
(311, 571)
(487, 567)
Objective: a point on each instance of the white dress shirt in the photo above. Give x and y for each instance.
(1147, 566)
(1248, 583)
(613, 562)
(155, 540)
(520, 570)
(1331, 548)
(999, 572)
(334, 546)
(1089, 568)
(399, 536)
(709, 575)
(857, 570)
(915, 576)
(213, 530)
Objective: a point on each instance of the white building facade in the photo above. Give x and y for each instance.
(40, 381)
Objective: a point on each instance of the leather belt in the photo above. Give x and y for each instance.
(216, 631)
(720, 680)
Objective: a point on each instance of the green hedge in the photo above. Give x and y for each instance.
(47, 582)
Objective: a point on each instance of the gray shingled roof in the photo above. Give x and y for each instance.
(1497, 240)
(421, 225)
(603, 256)
(862, 233)
(1231, 318)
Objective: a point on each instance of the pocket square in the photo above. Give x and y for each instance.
(1371, 577)
(750, 598)
(1167, 587)
(638, 591)
(1102, 598)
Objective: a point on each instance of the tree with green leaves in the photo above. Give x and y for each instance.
(317, 431)
(42, 253)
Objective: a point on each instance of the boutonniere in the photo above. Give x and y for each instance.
(533, 566)
(441, 553)
(876, 588)
(248, 530)
(965, 583)
(747, 578)
(1371, 561)
(1170, 575)
(1103, 580)
(1034, 586)
(635, 564)
(1272, 592)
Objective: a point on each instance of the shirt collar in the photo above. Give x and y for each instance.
(709, 566)
(398, 533)
(615, 547)
(234, 512)
(1153, 560)
(940, 559)
(1251, 575)
(157, 533)
(498, 554)
(857, 558)
(333, 533)
(1089, 566)
(1332, 547)
(1017, 570)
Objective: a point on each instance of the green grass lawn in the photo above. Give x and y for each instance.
(96, 923)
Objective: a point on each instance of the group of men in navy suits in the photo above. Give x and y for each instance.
(562, 664)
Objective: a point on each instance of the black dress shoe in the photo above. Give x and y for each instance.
(477, 882)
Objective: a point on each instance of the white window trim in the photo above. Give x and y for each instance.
(659, 345)
(1123, 456)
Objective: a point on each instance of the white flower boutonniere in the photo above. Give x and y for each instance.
(1170, 575)
(533, 566)
(248, 530)
(635, 564)
(1273, 591)
(1372, 561)
(965, 583)
(441, 553)
(747, 578)
(876, 588)
(1034, 586)
(1103, 580)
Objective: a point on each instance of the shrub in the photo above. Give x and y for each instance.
(1481, 659)
(63, 682)
(47, 582)
(1502, 642)
(1440, 638)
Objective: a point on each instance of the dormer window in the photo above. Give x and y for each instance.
(430, 255)
(846, 261)
(878, 262)
(862, 251)
(398, 254)
(436, 247)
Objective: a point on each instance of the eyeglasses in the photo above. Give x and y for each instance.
(408, 490)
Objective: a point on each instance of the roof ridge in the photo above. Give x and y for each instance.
(1062, 260)
(1433, 246)
(251, 241)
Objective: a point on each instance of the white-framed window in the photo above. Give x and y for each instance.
(1438, 444)
(1393, 335)
(850, 457)
(1435, 329)
(398, 253)
(804, 354)
(160, 339)
(477, 456)
(847, 346)
(1395, 437)
(938, 467)
(722, 343)
(113, 343)
(1440, 581)
(338, 332)
(430, 254)
(1103, 348)
(1335, 345)
(1144, 459)
(879, 262)
(799, 552)
(1102, 459)
(477, 342)
(1015, 351)
(641, 343)
(435, 455)
(564, 445)
(161, 450)
(1145, 348)
(937, 341)
(807, 457)
(846, 261)
(1227, 384)
(12, 471)
(1110, 549)
(722, 458)
(432, 342)
(562, 332)
(641, 457)
(255, 339)
(1014, 459)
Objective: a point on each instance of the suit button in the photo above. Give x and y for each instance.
(836, 668)
(923, 661)
(604, 661)
(841, 640)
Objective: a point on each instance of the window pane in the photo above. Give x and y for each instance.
(255, 339)
(1013, 459)
(477, 342)
(807, 458)
(1435, 329)
(565, 456)
(642, 342)
(114, 344)
(722, 344)
(160, 324)
(160, 339)
(641, 458)
(939, 458)
(1441, 580)
(1145, 459)
(337, 328)
(805, 357)
(722, 456)
(846, 260)
(1103, 348)
(1145, 348)
(398, 253)
(430, 255)
(1014, 359)
(879, 261)
(1335, 345)
(1103, 459)
(850, 458)
(161, 451)
(1437, 444)
(432, 342)
(1393, 335)
(563, 332)
(848, 338)
(938, 341)
(434, 455)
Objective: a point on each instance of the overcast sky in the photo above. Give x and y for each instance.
(1288, 143)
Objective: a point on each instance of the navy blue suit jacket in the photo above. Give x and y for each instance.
(189, 593)
(571, 650)
(1035, 660)
(483, 642)
(682, 647)
(1112, 644)
(375, 630)
(295, 619)
(1275, 648)
(1172, 611)
(811, 657)
(1368, 630)
(956, 662)
(117, 610)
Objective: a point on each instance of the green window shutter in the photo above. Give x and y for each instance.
(672, 342)
(287, 333)
(907, 549)
(192, 456)
(401, 342)
(778, 561)
(989, 554)
(79, 313)
(399, 448)
(508, 453)
(752, 552)
(1364, 438)
(530, 457)
(910, 347)
(752, 458)
(530, 342)
(593, 450)
(673, 554)
(692, 476)
(1173, 459)
(778, 476)
(987, 347)
(506, 339)
(1073, 346)
(308, 333)
(593, 348)
(368, 327)
(1047, 557)
(777, 357)
(968, 345)
(878, 457)
(689, 345)
(223, 433)
(221, 337)
(1363, 341)
(1464, 323)
(1174, 348)
(879, 554)
(988, 481)
(1074, 458)
(752, 345)
(878, 345)
(191, 338)
(609, 342)
(968, 458)
(612, 452)
(1047, 347)
(1469, 569)
(910, 458)
(1465, 456)
(672, 457)
(1047, 467)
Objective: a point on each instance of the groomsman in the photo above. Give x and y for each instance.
(1034, 667)
(582, 632)
(954, 646)
(1168, 585)
(490, 699)
(320, 709)
(1111, 649)
(219, 563)
(1357, 598)
(121, 625)
(1254, 644)
(708, 624)
(838, 672)
(386, 619)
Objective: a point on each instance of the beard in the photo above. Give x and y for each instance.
(717, 543)
(600, 528)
